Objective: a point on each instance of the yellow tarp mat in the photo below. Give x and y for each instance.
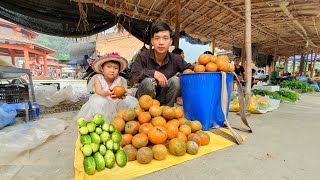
(134, 169)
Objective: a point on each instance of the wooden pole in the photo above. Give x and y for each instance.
(301, 63)
(248, 51)
(294, 61)
(243, 52)
(26, 58)
(305, 63)
(265, 68)
(37, 59)
(45, 64)
(13, 60)
(177, 29)
(310, 64)
(275, 55)
(213, 45)
(314, 62)
(286, 65)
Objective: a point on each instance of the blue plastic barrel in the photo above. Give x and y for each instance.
(201, 94)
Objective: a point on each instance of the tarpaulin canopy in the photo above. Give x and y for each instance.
(290, 24)
(68, 19)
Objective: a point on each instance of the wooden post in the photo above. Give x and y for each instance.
(26, 58)
(294, 61)
(314, 62)
(305, 63)
(243, 52)
(286, 65)
(265, 68)
(177, 29)
(248, 51)
(13, 60)
(213, 45)
(301, 63)
(37, 59)
(310, 64)
(275, 56)
(45, 64)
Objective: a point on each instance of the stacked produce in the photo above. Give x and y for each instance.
(150, 131)
(210, 63)
(100, 145)
(298, 86)
(282, 94)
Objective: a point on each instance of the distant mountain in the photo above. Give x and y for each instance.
(59, 44)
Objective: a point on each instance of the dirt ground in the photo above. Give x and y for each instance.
(282, 146)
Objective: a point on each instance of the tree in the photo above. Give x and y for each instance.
(59, 44)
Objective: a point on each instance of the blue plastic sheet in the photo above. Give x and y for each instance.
(7, 115)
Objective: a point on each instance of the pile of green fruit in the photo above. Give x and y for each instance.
(100, 145)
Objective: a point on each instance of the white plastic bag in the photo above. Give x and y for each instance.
(24, 136)
(48, 96)
(17, 139)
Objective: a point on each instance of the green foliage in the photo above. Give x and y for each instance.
(297, 86)
(59, 44)
(283, 95)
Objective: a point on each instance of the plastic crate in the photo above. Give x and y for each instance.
(14, 93)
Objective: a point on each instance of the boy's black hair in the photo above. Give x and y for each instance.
(160, 27)
(253, 71)
(177, 51)
(208, 52)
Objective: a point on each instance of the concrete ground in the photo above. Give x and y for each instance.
(282, 146)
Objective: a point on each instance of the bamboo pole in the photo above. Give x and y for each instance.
(248, 51)
(305, 63)
(301, 63)
(314, 62)
(213, 45)
(275, 57)
(243, 52)
(286, 65)
(275, 54)
(294, 61)
(177, 29)
(310, 64)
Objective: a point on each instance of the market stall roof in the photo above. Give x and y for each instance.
(292, 24)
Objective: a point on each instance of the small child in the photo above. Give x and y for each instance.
(104, 102)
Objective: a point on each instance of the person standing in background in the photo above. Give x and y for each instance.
(239, 70)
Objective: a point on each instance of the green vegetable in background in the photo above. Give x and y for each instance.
(283, 95)
(297, 85)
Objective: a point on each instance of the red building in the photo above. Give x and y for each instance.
(17, 42)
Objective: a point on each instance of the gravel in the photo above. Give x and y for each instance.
(80, 95)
